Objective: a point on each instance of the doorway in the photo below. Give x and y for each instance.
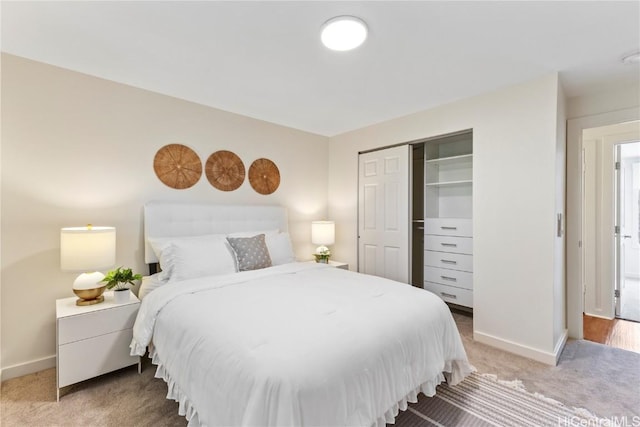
(627, 232)
(611, 221)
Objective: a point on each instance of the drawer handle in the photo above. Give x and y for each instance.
(453, 245)
(448, 228)
(446, 295)
(452, 279)
(448, 261)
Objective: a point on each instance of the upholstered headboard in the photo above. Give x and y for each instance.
(170, 219)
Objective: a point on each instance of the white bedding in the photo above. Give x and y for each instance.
(298, 344)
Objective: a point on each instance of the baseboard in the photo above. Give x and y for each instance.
(523, 350)
(562, 340)
(27, 368)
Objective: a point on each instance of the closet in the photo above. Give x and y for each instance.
(447, 223)
(425, 188)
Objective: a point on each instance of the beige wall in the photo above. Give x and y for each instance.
(514, 209)
(615, 97)
(78, 149)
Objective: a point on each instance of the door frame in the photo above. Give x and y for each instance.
(574, 253)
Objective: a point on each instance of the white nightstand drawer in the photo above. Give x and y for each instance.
(458, 245)
(459, 279)
(336, 264)
(449, 226)
(339, 264)
(81, 360)
(446, 260)
(450, 294)
(81, 326)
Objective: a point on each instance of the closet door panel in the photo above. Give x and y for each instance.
(383, 213)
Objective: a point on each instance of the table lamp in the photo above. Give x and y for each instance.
(322, 233)
(88, 250)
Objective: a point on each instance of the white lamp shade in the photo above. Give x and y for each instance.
(87, 249)
(323, 232)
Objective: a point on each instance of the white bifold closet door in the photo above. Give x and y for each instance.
(383, 213)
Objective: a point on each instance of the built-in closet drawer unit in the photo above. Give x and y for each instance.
(448, 218)
(448, 227)
(444, 276)
(448, 260)
(456, 245)
(459, 296)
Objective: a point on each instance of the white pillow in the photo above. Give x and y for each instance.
(253, 233)
(148, 284)
(184, 258)
(280, 249)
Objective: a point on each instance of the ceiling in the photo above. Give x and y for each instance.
(265, 60)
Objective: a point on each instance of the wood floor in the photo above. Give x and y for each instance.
(617, 333)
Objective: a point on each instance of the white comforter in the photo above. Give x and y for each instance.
(298, 344)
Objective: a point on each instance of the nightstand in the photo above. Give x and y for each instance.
(337, 264)
(93, 339)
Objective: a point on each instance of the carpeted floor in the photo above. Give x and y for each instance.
(483, 401)
(604, 380)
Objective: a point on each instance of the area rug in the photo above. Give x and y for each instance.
(483, 400)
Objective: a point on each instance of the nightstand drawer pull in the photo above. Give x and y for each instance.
(451, 279)
(446, 295)
(451, 245)
(448, 261)
(448, 228)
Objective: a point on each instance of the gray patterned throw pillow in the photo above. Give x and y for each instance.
(251, 252)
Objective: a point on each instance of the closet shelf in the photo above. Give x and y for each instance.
(451, 159)
(445, 183)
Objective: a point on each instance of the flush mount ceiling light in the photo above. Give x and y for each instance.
(632, 58)
(343, 33)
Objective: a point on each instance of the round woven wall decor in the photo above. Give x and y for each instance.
(264, 176)
(225, 170)
(177, 166)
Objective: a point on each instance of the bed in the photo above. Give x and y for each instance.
(293, 343)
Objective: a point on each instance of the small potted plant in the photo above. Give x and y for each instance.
(322, 255)
(119, 279)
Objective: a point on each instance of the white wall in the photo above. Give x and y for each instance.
(514, 173)
(612, 98)
(559, 288)
(78, 149)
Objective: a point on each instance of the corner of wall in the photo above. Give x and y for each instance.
(548, 358)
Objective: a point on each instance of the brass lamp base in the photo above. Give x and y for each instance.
(89, 296)
(81, 301)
